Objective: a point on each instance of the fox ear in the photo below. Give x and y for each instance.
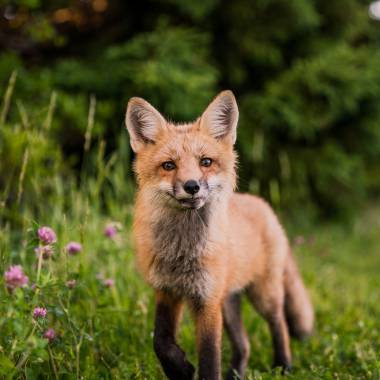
(221, 117)
(143, 122)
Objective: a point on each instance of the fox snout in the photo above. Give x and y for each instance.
(191, 186)
(191, 193)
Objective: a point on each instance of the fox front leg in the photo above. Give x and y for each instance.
(172, 358)
(209, 323)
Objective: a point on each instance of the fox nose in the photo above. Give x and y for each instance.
(191, 187)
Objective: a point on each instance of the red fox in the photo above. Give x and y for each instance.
(198, 242)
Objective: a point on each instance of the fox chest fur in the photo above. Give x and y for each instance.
(180, 243)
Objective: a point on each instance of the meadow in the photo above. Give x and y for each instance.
(76, 307)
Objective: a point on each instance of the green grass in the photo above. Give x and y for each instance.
(107, 332)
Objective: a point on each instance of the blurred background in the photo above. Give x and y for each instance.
(306, 75)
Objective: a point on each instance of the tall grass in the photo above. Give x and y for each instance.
(78, 209)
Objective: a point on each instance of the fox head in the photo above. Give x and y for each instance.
(184, 166)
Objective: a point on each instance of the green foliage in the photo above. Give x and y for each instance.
(306, 74)
(160, 65)
(330, 140)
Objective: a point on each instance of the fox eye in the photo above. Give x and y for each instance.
(206, 162)
(168, 165)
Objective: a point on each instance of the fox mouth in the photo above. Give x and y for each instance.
(193, 203)
(189, 203)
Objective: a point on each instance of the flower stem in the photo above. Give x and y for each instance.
(39, 267)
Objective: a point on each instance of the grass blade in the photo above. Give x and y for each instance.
(8, 97)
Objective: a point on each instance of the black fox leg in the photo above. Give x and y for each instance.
(280, 339)
(209, 325)
(171, 356)
(237, 335)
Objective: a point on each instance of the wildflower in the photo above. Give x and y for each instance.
(71, 283)
(47, 235)
(108, 282)
(50, 335)
(15, 277)
(45, 250)
(299, 240)
(111, 230)
(73, 248)
(39, 312)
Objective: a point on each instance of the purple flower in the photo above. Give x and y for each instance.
(73, 248)
(15, 277)
(45, 250)
(47, 235)
(71, 283)
(39, 312)
(299, 240)
(50, 335)
(110, 231)
(108, 282)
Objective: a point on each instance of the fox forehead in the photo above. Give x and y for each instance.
(181, 141)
